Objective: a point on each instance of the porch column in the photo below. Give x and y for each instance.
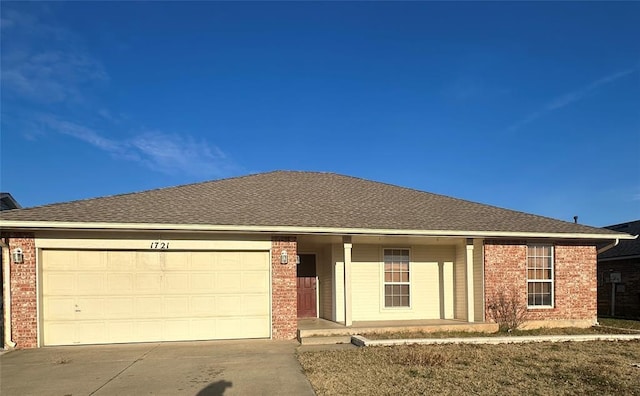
(470, 301)
(346, 241)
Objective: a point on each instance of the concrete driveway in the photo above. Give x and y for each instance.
(248, 367)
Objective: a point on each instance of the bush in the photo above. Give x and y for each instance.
(507, 309)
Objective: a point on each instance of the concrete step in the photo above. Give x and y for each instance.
(343, 331)
(325, 340)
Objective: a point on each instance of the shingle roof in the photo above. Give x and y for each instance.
(626, 248)
(300, 199)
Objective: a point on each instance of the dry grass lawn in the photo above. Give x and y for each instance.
(397, 335)
(620, 323)
(571, 368)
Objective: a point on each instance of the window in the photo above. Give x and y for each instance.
(396, 277)
(540, 275)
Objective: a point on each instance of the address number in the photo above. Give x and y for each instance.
(159, 245)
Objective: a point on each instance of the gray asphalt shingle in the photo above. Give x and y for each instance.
(303, 199)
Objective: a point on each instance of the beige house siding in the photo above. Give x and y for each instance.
(459, 282)
(447, 290)
(337, 269)
(368, 290)
(478, 282)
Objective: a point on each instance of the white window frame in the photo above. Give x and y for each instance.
(550, 281)
(385, 283)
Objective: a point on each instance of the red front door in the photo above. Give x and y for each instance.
(307, 297)
(307, 286)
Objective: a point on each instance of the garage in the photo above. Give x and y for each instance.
(121, 296)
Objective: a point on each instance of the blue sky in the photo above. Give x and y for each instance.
(528, 106)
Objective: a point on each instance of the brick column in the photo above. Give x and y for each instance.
(24, 320)
(284, 303)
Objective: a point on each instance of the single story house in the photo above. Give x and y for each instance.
(619, 275)
(246, 257)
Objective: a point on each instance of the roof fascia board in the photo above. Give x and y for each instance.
(619, 258)
(44, 225)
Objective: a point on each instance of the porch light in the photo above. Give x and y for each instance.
(18, 256)
(284, 259)
(297, 259)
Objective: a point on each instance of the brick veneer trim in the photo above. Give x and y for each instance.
(284, 308)
(575, 288)
(23, 289)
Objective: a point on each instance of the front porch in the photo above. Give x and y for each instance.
(318, 327)
(358, 284)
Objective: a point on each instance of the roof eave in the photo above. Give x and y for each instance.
(104, 226)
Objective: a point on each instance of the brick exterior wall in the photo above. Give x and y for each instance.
(24, 320)
(575, 286)
(627, 304)
(284, 308)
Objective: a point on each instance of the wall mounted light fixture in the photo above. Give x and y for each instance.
(18, 256)
(284, 258)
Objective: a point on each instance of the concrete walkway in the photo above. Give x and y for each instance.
(248, 367)
(362, 341)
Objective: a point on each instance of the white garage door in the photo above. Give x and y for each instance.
(99, 297)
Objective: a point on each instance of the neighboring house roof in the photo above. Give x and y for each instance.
(289, 201)
(625, 249)
(7, 202)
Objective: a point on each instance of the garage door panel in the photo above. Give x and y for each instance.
(87, 308)
(202, 282)
(90, 260)
(120, 331)
(91, 283)
(228, 305)
(148, 283)
(176, 330)
(254, 280)
(230, 261)
(177, 261)
(148, 330)
(148, 261)
(175, 306)
(126, 296)
(177, 282)
(60, 282)
(203, 305)
(60, 333)
(253, 305)
(255, 326)
(60, 308)
(119, 307)
(119, 283)
(228, 282)
(118, 261)
(228, 328)
(202, 261)
(61, 260)
(88, 332)
(203, 329)
(148, 307)
(253, 261)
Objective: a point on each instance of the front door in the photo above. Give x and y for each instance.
(307, 286)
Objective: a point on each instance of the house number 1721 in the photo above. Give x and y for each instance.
(159, 245)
